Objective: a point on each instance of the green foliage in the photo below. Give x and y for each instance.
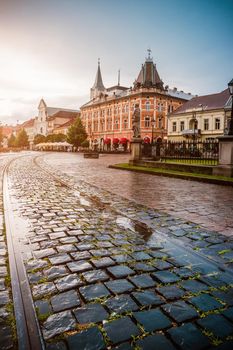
(22, 139)
(39, 139)
(85, 143)
(76, 133)
(55, 138)
(11, 141)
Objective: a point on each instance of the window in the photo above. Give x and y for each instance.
(160, 124)
(217, 123)
(109, 124)
(116, 124)
(182, 125)
(174, 126)
(147, 106)
(125, 123)
(206, 124)
(147, 122)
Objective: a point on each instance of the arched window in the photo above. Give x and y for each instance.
(147, 122)
(147, 106)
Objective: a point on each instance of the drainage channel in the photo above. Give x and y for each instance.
(28, 331)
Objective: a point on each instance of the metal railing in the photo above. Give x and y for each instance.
(191, 151)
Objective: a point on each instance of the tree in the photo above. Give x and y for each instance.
(55, 138)
(11, 141)
(39, 139)
(1, 135)
(22, 139)
(76, 133)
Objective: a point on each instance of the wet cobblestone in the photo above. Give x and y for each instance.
(114, 273)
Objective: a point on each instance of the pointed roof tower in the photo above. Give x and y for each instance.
(98, 86)
(148, 75)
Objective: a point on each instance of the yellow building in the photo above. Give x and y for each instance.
(201, 118)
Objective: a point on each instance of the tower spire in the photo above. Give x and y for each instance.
(98, 86)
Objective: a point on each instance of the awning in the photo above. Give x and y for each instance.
(146, 139)
(123, 140)
(107, 141)
(115, 140)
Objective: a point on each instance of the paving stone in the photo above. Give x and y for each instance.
(122, 258)
(43, 289)
(189, 337)
(165, 276)
(55, 271)
(2, 284)
(65, 240)
(6, 338)
(121, 303)
(171, 292)
(119, 286)
(205, 302)
(58, 323)
(121, 329)
(81, 255)
(60, 258)
(90, 339)
(143, 267)
(35, 277)
(65, 248)
(180, 311)
(68, 282)
(162, 265)
(44, 253)
(102, 262)
(95, 276)
(141, 256)
(147, 298)
(94, 291)
(65, 301)
(56, 346)
(4, 298)
(123, 346)
(226, 297)
(142, 281)
(91, 313)
(218, 325)
(153, 342)
(228, 314)
(184, 272)
(3, 271)
(79, 266)
(193, 286)
(120, 271)
(43, 307)
(152, 320)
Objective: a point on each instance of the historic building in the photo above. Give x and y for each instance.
(50, 118)
(108, 115)
(201, 118)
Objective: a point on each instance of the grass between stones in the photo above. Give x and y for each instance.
(174, 173)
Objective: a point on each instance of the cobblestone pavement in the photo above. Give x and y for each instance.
(7, 338)
(206, 204)
(109, 273)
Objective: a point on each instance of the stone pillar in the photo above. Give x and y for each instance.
(225, 167)
(136, 149)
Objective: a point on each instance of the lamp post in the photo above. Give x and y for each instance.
(230, 128)
(194, 121)
(153, 125)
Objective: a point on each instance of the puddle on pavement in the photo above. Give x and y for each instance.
(136, 226)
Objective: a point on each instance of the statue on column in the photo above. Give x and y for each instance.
(136, 122)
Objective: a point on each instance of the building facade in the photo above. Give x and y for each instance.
(50, 118)
(108, 115)
(202, 118)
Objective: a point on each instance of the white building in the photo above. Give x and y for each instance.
(203, 118)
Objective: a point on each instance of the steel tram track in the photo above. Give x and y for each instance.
(27, 326)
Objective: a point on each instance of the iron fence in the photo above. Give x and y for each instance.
(199, 152)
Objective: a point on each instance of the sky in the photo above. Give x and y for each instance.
(50, 48)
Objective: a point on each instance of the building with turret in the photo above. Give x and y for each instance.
(108, 115)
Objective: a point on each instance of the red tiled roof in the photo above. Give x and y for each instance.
(64, 114)
(207, 102)
(28, 123)
(66, 124)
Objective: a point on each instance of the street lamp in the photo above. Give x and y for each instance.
(153, 125)
(230, 129)
(194, 125)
